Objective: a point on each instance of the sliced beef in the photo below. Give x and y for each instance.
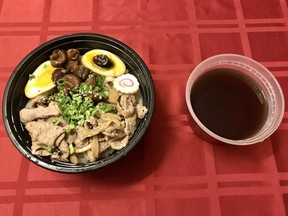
(39, 100)
(113, 132)
(41, 112)
(110, 132)
(45, 132)
(103, 145)
(63, 154)
(70, 138)
(130, 125)
(83, 133)
(53, 119)
(119, 144)
(141, 111)
(38, 148)
(126, 105)
(59, 139)
(91, 123)
(64, 148)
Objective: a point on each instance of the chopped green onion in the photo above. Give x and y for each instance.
(70, 128)
(48, 94)
(105, 107)
(71, 149)
(91, 75)
(104, 94)
(100, 81)
(77, 106)
(100, 88)
(50, 149)
(60, 82)
(84, 87)
(31, 76)
(55, 121)
(41, 145)
(94, 112)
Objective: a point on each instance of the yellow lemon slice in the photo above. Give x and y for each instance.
(116, 69)
(40, 80)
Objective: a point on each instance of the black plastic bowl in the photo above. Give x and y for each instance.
(14, 99)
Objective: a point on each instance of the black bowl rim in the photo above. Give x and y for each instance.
(85, 167)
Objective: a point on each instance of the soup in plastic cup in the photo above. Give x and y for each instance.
(234, 99)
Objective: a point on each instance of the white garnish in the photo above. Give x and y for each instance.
(126, 83)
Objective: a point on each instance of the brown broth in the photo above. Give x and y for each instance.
(229, 104)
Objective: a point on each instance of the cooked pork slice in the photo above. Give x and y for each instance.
(59, 139)
(38, 148)
(57, 156)
(42, 152)
(45, 132)
(28, 115)
(70, 138)
(91, 123)
(103, 145)
(64, 152)
(83, 133)
(130, 125)
(113, 132)
(57, 121)
(141, 111)
(127, 104)
(39, 100)
(119, 144)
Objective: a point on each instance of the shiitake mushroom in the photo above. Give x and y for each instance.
(91, 81)
(58, 58)
(78, 70)
(72, 73)
(95, 96)
(72, 54)
(57, 75)
(71, 81)
(102, 60)
(81, 72)
(71, 66)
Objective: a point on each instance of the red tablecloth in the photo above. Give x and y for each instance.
(172, 171)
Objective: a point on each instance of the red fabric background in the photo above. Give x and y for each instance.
(172, 171)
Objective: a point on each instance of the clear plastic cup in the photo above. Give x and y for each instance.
(257, 72)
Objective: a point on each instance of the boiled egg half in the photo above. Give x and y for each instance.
(116, 69)
(40, 81)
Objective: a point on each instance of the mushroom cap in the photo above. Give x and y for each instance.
(71, 81)
(58, 58)
(72, 54)
(81, 72)
(71, 66)
(57, 74)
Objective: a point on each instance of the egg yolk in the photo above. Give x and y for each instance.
(117, 69)
(44, 78)
(40, 80)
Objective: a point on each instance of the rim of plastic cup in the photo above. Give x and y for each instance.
(253, 66)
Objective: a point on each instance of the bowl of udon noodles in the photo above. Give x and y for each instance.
(78, 102)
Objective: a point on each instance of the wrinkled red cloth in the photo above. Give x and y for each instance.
(171, 171)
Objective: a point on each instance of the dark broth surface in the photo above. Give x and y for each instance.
(229, 104)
